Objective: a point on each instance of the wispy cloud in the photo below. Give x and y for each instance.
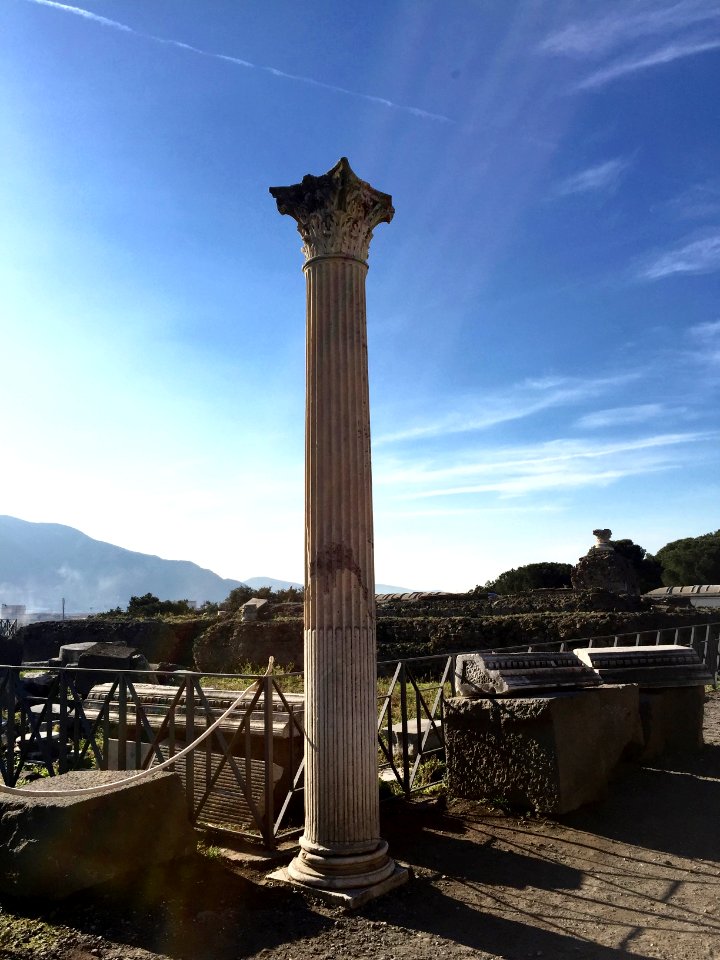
(621, 416)
(237, 61)
(706, 332)
(666, 54)
(701, 255)
(698, 201)
(555, 465)
(707, 336)
(86, 14)
(601, 177)
(596, 37)
(522, 400)
(637, 37)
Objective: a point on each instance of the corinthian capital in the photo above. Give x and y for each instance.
(336, 213)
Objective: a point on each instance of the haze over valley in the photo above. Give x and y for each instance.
(43, 563)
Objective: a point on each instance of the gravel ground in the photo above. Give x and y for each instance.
(638, 875)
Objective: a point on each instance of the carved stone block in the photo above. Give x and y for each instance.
(666, 665)
(514, 674)
(52, 846)
(550, 754)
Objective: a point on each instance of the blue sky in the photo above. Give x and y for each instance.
(543, 316)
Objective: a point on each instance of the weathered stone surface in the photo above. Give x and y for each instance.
(254, 608)
(550, 754)
(101, 660)
(231, 644)
(111, 656)
(663, 665)
(672, 720)
(603, 567)
(70, 652)
(155, 638)
(54, 846)
(511, 674)
(428, 737)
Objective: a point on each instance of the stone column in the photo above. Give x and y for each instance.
(341, 846)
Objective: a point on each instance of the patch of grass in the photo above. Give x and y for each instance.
(22, 937)
(208, 850)
(389, 788)
(431, 772)
(288, 679)
(32, 771)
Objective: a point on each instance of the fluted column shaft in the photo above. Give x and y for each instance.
(341, 846)
(340, 648)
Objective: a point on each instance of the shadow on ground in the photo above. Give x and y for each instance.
(637, 873)
(195, 909)
(668, 806)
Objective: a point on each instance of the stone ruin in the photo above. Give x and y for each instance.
(548, 731)
(604, 568)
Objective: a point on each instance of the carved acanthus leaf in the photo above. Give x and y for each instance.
(336, 213)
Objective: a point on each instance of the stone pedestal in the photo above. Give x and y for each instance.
(605, 568)
(54, 845)
(672, 720)
(672, 682)
(550, 754)
(341, 848)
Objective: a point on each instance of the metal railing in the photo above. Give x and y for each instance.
(703, 638)
(243, 777)
(8, 628)
(411, 728)
(247, 776)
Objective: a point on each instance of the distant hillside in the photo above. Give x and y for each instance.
(257, 582)
(42, 562)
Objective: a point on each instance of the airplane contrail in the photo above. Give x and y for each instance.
(116, 25)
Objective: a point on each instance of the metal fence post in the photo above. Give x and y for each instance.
(122, 722)
(404, 729)
(189, 738)
(63, 764)
(269, 812)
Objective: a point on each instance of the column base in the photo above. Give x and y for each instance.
(347, 875)
(349, 898)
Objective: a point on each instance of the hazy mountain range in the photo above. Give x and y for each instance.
(42, 563)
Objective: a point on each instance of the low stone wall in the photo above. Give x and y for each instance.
(405, 637)
(566, 600)
(228, 644)
(54, 845)
(231, 644)
(157, 639)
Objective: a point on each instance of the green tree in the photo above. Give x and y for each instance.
(532, 576)
(289, 595)
(151, 606)
(691, 560)
(240, 595)
(647, 568)
(237, 597)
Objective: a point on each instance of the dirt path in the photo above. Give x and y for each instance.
(638, 875)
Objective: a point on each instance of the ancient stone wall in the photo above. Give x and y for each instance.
(228, 644)
(158, 640)
(231, 644)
